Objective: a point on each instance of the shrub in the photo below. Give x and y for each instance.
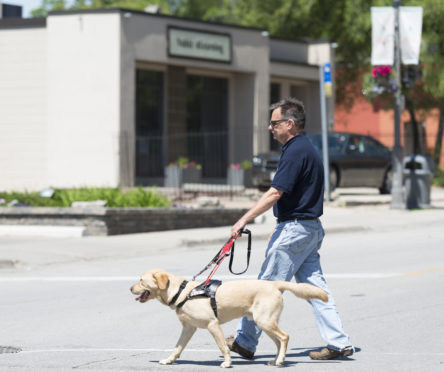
(115, 198)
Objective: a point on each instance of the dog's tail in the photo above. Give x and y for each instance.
(302, 290)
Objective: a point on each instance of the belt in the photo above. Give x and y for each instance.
(279, 220)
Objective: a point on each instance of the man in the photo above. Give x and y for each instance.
(296, 194)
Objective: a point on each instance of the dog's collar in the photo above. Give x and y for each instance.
(176, 296)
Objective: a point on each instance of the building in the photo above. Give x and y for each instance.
(110, 97)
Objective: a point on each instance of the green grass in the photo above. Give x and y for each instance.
(438, 178)
(115, 198)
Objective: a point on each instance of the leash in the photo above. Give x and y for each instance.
(224, 252)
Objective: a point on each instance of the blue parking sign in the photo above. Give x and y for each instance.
(327, 72)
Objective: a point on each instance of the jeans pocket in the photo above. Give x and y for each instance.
(302, 237)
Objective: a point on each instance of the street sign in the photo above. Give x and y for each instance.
(327, 79)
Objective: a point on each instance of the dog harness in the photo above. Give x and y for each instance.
(208, 290)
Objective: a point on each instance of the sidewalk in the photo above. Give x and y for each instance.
(350, 209)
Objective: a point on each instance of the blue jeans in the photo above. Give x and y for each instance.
(293, 252)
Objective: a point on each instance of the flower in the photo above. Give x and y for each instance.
(184, 163)
(381, 71)
(245, 164)
(379, 82)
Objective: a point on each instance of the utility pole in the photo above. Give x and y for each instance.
(397, 197)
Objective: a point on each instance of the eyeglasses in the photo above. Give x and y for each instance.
(273, 123)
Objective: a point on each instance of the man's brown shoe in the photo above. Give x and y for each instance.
(327, 353)
(234, 346)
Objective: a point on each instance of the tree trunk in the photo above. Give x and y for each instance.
(438, 143)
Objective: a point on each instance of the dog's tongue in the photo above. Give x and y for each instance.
(138, 298)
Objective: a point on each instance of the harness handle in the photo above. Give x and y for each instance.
(224, 252)
(248, 232)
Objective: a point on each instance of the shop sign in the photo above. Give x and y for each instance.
(187, 43)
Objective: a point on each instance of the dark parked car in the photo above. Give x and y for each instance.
(355, 161)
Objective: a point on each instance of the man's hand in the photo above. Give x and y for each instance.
(239, 225)
(266, 201)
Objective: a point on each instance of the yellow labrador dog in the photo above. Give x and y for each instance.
(260, 300)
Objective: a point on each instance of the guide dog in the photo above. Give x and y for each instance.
(260, 300)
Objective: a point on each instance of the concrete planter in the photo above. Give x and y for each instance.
(114, 221)
(175, 177)
(191, 175)
(235, 177)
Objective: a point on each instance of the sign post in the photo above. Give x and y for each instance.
(324, 79)
(396, 39)
(397, 197)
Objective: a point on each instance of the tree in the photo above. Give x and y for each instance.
(53, 5)
(433, 56)
(49, 5)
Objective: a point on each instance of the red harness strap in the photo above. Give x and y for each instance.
(224, 252)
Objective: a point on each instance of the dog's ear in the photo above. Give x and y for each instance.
(162, 279)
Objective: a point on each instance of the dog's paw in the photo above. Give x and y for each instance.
(275, 363)
(225, 364)
(166, 361)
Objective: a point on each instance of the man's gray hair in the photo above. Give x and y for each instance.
(291, 108)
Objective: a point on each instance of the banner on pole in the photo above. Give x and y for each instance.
(383, 31)
(410, 20)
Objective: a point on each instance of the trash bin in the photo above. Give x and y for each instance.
(418, 173)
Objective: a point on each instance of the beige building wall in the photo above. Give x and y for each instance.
(83, 99)
(23, 109)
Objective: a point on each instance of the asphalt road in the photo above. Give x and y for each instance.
(66, 303)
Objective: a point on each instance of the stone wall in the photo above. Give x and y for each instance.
(114, 221)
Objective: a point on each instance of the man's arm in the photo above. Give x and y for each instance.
(266, 201)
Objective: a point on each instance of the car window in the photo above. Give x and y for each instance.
(335, 142)
(374, 147)
(356, 144)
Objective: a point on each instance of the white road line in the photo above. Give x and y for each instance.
(222, 277)
(93, 350)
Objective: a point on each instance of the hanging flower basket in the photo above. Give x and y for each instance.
(380, 82)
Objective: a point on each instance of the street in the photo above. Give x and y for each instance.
(66, 304)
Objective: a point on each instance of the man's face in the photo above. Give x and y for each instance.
(279, 127)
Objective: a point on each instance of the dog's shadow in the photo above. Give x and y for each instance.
(235, 361)
(259, 359)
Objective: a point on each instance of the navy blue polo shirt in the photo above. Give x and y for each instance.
(300, 175)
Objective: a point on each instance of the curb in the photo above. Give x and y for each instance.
(335, 230)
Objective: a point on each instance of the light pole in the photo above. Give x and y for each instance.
(397, 198)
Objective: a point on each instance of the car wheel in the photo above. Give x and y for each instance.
(386, 187)
(333, 178)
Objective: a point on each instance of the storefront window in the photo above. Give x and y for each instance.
(149, 123)
(207, 124)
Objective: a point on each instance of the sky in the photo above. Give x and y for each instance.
(27, 5)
